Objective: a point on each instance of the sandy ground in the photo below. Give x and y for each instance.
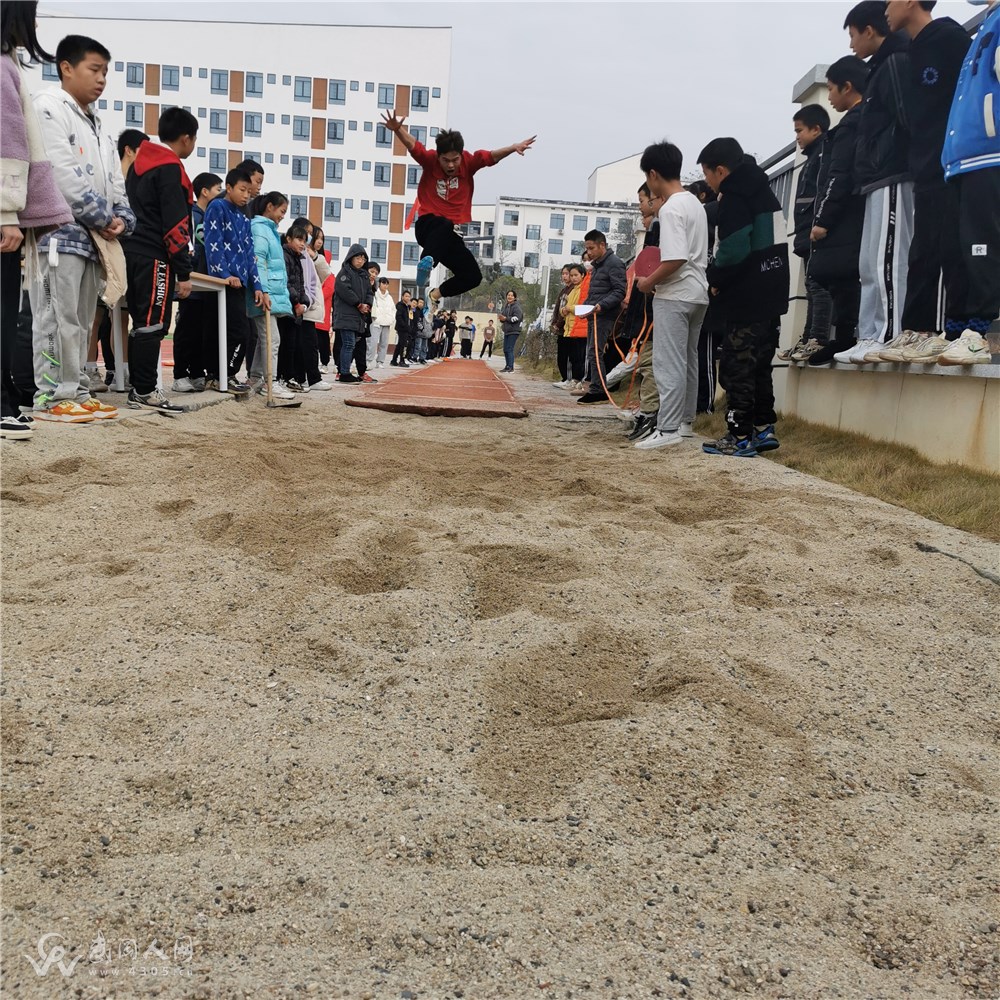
(355, 704)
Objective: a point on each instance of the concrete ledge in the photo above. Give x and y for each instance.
(952, 418)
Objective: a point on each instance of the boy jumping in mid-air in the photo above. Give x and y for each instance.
(444, 200)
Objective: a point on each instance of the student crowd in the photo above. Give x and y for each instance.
(891, 199)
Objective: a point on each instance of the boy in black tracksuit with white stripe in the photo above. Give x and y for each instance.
(158, 260)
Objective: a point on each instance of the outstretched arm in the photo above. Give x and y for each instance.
(519, 147)
(394, 124)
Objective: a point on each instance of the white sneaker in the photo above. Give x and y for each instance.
(320, 386)
(925, 350)
(278, 391)
(844, 357)
(659, 439)
(969, 349)
(686, 430)
(323, 369)
(862, 349)
(564, 384)
(893, 351)
(183, 385)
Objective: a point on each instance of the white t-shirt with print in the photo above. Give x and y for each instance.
(684, 236)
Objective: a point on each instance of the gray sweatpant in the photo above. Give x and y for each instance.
(884, 259)
(378, 344)
(63, 306)
(257, 366)
(676, 328)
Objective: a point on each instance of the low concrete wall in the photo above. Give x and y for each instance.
(946, 414)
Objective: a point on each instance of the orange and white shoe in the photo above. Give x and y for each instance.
(101, 411)
(66, 412)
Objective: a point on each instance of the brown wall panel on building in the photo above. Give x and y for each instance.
(398, 149)
(236, 86)
(396, 217)
(395, 255)
(152, 79)
(402, 99)
(235, 126)
(399, 179)
(394, 289)
(319, 94)
(317, 167)
(151, 118)
(235, 157)
(316, 211)
(318, 133)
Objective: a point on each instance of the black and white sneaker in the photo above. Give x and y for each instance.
(644, 425)
(15, 429)
(154, 400)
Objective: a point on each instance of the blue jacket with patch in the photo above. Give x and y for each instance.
(271, 270)
(972, 140)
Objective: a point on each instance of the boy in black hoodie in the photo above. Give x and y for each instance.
(882, 171)
(158, 261)
(840, 211)
(352, 302)
(749, 279)
(937, 51)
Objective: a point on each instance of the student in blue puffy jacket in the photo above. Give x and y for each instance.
(266, 212)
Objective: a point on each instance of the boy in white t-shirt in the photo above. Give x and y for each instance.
(680, 298)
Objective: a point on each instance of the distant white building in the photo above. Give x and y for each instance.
(309, 113)
(616, 181)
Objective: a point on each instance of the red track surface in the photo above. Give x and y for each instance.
(452, 388)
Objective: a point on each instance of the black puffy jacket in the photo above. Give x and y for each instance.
(805, 196)
(352, 288)
(883, 152)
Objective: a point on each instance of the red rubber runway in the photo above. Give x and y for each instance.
(453, 388)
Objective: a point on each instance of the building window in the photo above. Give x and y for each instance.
(533, 232)
(386, 95)
(331, 210)
(119, 105)
(354, 85)
(352, 164)
(488, 229)
(434, 132)
(488, 250)
(187, 72)
(335, 130)
(253, 123)
(253, 154)
(300, 128)
(419, 132)
(218, 121)
(338, 91)
(253, 85)
(283, 160)
(576, 248)
(286, 119)
(420, 99)
(383, 174)
(580, 223)
(411, 253)
(555, 246)
(334, 247)
(300, 168)
(217, 159)
(352, 126)
(510, 217)
(200, 152)
(380, 213)
(369, 87)
(474, 249)
(364, 204)
(334, 171)
(220, 81)
(475, 228)
(603, 223)
(346, 241)
(286, 80)
(298, 206)
(508, 242)
(436, 92)
(531, 260)
(557, 221)
(383, 137)
(102, 105)
(269, 118)
(134, 115)
(269, 157)
(369, 127)
(412, 176)
(379, 250)
(272, 79)
(202, 112)
(135, 74)
(170, 77)
(348, 203)
(303, 88)
(119, 67)
(202, 73)
(366, 165)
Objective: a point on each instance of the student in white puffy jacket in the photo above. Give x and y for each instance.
(383, 318)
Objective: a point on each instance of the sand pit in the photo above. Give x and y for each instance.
(360, 704)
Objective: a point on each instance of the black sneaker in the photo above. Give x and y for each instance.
(349, 378)
(824, 355)
(765, 439)
(593, 397)
(154, 400)
(645, 424)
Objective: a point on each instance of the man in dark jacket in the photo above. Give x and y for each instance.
(840, 209)
(352, 301)
(882, 171)
(749, 278)
(608, 283)
(512, 323)
(158, 260)
(937, 50)
(811, 124)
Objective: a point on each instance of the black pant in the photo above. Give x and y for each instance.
(288, 348)
(197, 324)
(245, 345)
(846, 295)
(10, 290)
(361, 355)
(972, 243)
(706, 369)
(487, 348)
(438, 239)
(150, 298)
(466, 349)
(577, 357)
(323, 346)
(745, 371)
(402, 346)
(923, 309)
(306, 358)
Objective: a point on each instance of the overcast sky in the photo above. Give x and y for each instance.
(594, 81)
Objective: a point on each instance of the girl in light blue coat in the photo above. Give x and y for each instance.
(266, 211)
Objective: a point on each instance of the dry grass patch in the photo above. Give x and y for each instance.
(951, 494)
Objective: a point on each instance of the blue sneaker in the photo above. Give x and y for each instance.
(732, 446)
(765, 439)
